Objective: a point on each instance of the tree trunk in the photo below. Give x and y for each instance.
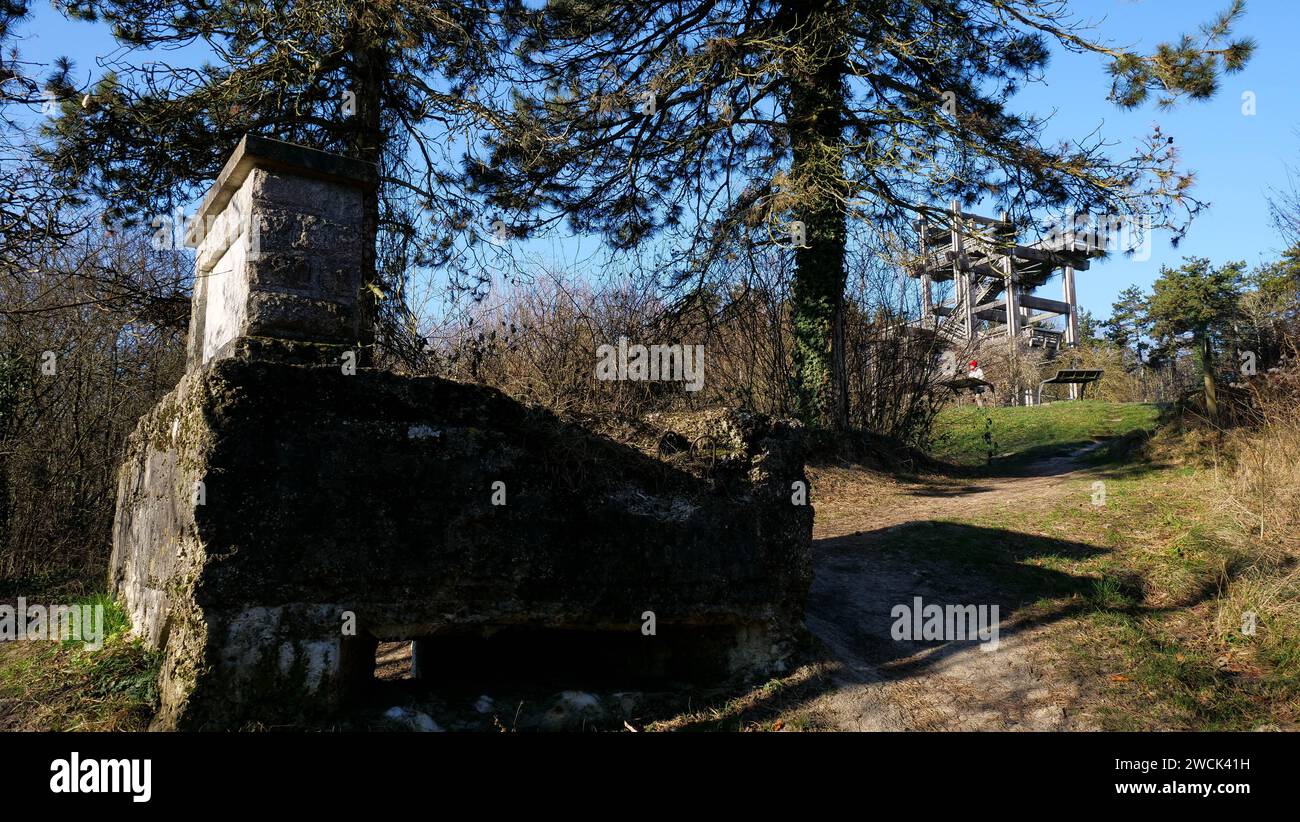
(815, 74)
(369, 65)
(1207, 373)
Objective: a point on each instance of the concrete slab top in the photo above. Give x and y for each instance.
(263, 152)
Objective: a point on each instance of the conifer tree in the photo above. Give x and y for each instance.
(718, 126)
(1194, 306)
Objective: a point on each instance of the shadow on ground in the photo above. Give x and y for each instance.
(859, 579)
(862, 577)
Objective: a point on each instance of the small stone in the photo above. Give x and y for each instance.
(627, 701)
(573, 711)
(412, 719)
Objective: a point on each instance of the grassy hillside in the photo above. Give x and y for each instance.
(1186, 621)
(966, 435)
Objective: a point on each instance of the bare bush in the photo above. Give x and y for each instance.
(540, 345)
(78, 367)
(1264, 484)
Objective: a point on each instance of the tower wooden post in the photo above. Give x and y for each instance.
(961, 273)
(1071, 318)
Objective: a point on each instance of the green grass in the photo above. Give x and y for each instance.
(1158, 636)
(116, 620)
(967, 435)
(66, 686)
(1176, 682)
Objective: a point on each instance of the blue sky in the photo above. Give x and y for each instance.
(1237, 158)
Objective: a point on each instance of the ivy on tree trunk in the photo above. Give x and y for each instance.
(816, 83)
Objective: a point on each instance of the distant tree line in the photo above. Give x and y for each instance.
(1204, 326)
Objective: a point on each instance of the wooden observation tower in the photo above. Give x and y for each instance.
(994, 278)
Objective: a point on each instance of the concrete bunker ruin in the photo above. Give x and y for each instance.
(278, 514)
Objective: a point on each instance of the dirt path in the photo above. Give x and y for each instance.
(865, 565)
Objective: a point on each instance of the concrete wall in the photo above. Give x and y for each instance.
(372, 494)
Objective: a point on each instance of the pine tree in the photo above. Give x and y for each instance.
(1089, 328)
(721, 126)
(1128, 326)
(1194, 306)
(34, 208)
(1269, 309)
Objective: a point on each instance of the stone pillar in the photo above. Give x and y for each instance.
(279, 254)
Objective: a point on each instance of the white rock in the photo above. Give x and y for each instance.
(573, 711)
(415, 720)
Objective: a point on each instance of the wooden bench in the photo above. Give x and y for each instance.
(1071, 376)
